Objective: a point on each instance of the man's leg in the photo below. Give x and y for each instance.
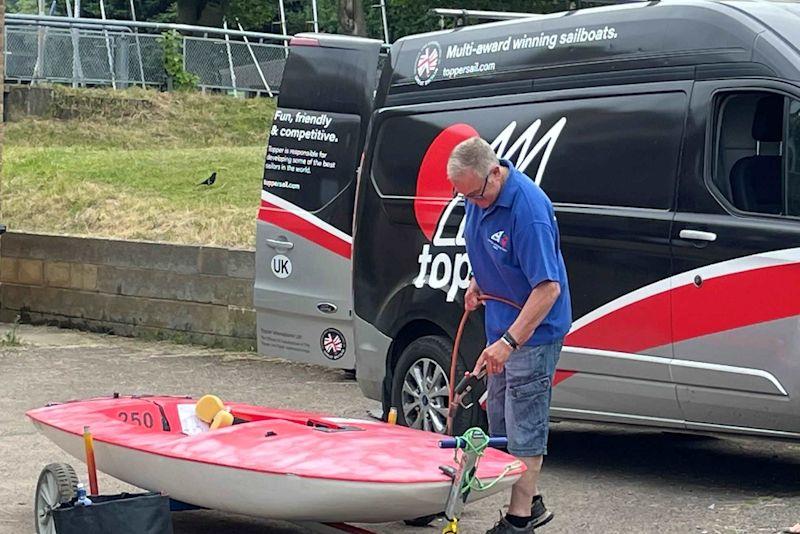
(526, 488)
(529, 375)
(527, 380)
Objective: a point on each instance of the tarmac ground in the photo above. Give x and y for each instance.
(596, 479)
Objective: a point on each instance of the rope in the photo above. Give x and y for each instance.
(476, 441)
(454, 356)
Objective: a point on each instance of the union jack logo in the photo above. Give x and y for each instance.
(333, 344)
(427, 63)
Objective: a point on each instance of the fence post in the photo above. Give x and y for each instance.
(183, 51)
(122, 60)
(138, 45)
(74, 38)
(108, 46)
(230, 58)
(255, 62)
(80, 62)
(385, 22)
(314, 14)
(283, 27)
(3, 110)
(38, 68)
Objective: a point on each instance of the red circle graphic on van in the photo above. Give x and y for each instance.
(433, 189)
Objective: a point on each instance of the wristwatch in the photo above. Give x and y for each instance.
(509, 340)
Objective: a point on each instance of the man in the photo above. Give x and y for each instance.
(513, 246)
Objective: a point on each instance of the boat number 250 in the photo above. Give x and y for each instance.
(137, 418)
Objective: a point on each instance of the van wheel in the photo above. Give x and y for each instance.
(421, 387)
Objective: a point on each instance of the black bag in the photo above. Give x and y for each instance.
(126, 513)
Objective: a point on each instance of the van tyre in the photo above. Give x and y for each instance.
(420, 387)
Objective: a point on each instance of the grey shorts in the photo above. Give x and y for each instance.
(518, 402)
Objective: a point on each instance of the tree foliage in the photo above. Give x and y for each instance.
(151, 10)
(405, 16)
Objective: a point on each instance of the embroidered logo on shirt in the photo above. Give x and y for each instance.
(499, 240)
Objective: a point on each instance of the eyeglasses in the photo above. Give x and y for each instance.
(475, 195)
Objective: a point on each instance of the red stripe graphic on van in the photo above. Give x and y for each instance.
(736, 300)
(723, 302)
(641, 325)
(302, 226)
(434, 191)
(561, 375)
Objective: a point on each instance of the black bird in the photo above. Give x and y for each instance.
(210, 180)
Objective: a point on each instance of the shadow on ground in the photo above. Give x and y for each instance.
(685, 460)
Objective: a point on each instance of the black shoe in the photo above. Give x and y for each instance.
(504, 527)
(540, 514)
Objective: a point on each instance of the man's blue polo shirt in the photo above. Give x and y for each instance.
(513, 246)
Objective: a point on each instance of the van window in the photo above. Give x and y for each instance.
(793, 158)
(310, 157)
(316, 134)
(326, 81)
(756, 166)
(609, 151)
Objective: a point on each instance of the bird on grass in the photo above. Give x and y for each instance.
(210, 180)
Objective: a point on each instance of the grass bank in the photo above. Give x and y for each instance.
(131, 169)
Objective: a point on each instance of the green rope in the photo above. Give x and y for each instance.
(476, 441)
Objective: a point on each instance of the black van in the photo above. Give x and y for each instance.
(667, 135)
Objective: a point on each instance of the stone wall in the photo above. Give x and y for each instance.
(184, 293)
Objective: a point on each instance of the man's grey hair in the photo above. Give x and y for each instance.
(474, 155)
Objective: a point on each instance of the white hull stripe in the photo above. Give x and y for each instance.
(305, 215)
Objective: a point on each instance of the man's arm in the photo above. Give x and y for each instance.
(536, 308)
(472, 296)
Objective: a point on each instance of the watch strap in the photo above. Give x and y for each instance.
(510, 341)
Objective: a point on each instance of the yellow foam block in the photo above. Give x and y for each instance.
(221, 420)
(207, 407)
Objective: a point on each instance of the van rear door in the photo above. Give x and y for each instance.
(302, 294)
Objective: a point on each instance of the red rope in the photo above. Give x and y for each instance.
(457, 343)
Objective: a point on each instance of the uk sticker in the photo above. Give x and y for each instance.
(281, 266)
(427, 64)
(332, 344)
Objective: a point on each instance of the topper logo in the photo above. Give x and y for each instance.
(523, 143)
(436, 209)
(500, 240)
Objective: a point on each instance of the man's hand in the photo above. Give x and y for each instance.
(471, 301)
(494, 357)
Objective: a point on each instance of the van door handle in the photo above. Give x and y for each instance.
(698, 235)
(277, 243)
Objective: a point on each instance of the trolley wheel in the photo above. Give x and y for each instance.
(423, 521)
(57, 484)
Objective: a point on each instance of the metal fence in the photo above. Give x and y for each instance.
(114, 57)
(208, 58)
